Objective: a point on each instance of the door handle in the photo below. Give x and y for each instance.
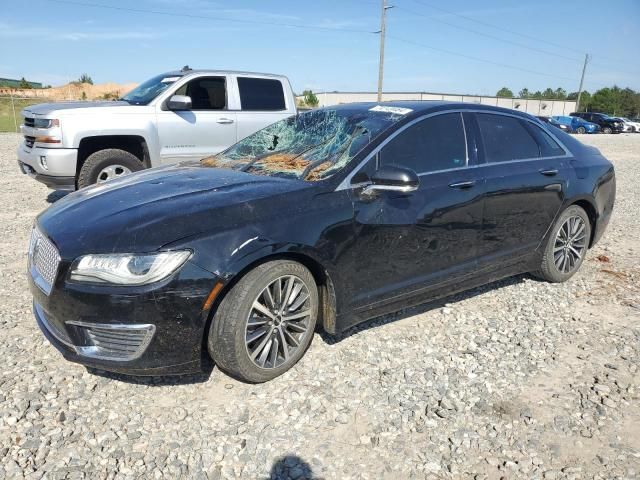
(463, 185)
(225, 120)
(549, 172)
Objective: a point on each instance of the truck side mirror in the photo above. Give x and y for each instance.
(179, 102)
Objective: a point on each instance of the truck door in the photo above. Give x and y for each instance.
(208, 128)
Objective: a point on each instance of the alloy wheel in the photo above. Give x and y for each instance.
(278, 321)
(111, 172)
(570, 244)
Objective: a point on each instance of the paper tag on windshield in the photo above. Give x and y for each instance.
(389, 109)
(169, 79)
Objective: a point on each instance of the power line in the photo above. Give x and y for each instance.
(487, 24)
(521, 45)
(209, 17)
(477, 59)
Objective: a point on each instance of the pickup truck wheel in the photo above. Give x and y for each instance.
(106, 165)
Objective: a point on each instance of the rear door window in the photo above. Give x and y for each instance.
(548, 146)
(506, 138)
(261, 94)
(435, 143)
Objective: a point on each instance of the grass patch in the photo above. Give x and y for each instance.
(7, 123)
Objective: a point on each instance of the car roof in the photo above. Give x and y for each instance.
(220, 72)
(421, 107)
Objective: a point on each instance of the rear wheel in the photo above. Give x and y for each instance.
(265, 323)
(106, 165)
(567, 245)
(581, 130)
(607, 130)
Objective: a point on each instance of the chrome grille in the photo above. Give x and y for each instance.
(114, 342)
(44, 260)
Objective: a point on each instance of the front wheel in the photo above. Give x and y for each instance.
(265, 323)
(567, 246)
(106, 165)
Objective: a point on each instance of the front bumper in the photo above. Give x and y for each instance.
(148, 330)
(60, 164)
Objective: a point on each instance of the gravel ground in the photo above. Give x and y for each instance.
(518, 379)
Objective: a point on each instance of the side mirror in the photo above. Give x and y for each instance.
(392, 178)
(179, 102)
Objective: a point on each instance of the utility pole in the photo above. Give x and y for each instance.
(383, 23)
(587, 57)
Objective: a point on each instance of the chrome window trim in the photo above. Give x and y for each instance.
(346, 183)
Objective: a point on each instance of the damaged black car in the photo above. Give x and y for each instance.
(319, 221)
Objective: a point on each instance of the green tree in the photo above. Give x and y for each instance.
(84, 95)
(549, 94)
(505, 92)
(310, 98)
(524, 93)
(537, 95)
(85, 78)
(24, 83)
(560, 93)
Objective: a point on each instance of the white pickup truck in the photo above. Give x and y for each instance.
(182, 115)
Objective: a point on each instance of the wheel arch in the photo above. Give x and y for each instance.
(588, 206)
(326, 289)
(134, 144)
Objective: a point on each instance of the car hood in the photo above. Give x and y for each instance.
(47, 108)
(146, 210)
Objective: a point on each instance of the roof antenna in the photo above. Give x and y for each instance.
(186, 68)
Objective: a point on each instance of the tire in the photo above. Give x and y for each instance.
(607, 130)
(229, 336)
(549, 268)
(581, 130)
(99, 162)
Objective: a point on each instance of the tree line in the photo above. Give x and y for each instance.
(616, 101)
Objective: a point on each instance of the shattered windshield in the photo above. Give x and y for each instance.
(310, 146)
(147, 91)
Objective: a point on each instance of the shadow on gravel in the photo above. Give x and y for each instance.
(157, 381)
(425, 307)
(291, 466)
(56, 195)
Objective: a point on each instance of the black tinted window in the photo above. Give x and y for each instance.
(506, 138)
(548, 146)
(436, 143)
(261, 94)
(207, 93)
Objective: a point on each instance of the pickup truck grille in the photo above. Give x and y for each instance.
(28, 141)
(29, 122)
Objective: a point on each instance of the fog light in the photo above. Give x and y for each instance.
(43, 162)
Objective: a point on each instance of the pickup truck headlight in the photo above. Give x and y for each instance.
(127, 268)
(46, 122)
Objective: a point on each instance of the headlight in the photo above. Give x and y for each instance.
(46, 122)
(127, 268)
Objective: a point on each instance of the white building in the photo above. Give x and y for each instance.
(534, 107)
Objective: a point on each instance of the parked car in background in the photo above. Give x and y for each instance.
(631, 125)
(175, 116)
(327, 218)
(605, 122)
(552, 121)
(576, 124)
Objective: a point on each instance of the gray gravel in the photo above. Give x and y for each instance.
(518, 379)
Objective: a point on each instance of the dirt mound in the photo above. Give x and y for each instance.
(74, 91)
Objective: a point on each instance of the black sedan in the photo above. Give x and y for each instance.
(322, 220)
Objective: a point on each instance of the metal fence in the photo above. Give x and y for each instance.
(10, 108)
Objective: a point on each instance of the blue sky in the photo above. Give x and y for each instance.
(431, 45)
